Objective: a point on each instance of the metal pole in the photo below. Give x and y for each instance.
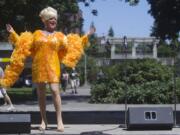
(174, 82)
(85, 69)
(174, 89)
(125, 45)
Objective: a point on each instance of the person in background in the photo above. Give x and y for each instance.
(73, 79)
(6, 97)
(48, 49)
(64, 80)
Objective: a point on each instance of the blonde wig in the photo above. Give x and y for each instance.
(48, 13)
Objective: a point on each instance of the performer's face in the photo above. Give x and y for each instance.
(51, 24)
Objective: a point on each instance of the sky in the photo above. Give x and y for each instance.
(132, 21)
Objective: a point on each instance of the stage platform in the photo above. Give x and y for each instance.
(83, 118)
(101, 129)
(82, 112)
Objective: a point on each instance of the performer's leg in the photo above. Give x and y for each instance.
(57, 105)
(41, 92)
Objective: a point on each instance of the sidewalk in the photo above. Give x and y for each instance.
(82, 90)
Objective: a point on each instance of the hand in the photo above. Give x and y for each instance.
(91, 31)
(9, 28)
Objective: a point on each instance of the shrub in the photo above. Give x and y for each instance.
(146, 81)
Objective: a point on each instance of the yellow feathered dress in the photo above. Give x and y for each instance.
(47, 51)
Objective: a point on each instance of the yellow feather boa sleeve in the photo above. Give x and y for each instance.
(17, 60)
(75, 48)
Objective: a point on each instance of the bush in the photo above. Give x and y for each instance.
(150, 92)
(146, 81)
(111, 93)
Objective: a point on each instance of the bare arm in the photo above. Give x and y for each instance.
(14, 37)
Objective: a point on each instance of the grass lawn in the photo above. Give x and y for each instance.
(22, 94)
(20, 91)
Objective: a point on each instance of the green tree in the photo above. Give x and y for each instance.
(165, 50)
(24, 15)
(166, 14)
(111, 32)
(93, 39)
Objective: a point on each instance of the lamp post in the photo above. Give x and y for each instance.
(174, 93)
(125, 74)
(85, 69)
(174, 81)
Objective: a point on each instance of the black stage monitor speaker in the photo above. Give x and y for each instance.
(15, 123)
(156, 118)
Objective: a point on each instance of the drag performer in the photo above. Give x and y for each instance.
(48, 49)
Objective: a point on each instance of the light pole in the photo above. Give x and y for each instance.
(174, 93)
(125, 74)
(174, 81)
(85, 69)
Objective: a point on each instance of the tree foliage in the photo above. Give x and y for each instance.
(166, 14)
(165, 50)
(111, 32)
(24, 14)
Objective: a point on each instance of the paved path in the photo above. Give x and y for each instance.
(83, 90)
